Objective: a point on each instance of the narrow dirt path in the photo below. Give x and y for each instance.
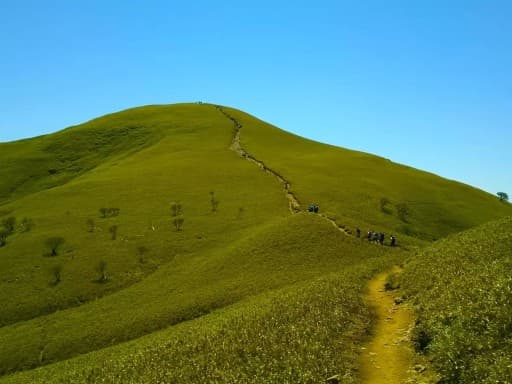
(293, 201)
(387, 358)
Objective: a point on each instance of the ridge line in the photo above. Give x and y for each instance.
(293, 201)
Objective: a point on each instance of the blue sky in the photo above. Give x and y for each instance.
(426, 83)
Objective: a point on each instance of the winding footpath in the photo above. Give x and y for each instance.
(388, 357)
(293, 201)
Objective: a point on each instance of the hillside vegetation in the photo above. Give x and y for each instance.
(462, 289)
(149, 219)
(352, 186)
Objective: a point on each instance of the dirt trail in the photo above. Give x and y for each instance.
(293, 201)
(387, 358)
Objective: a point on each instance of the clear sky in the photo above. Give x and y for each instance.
(427, 83)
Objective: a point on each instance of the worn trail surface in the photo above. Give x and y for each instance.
(293, 201)
(387, 358)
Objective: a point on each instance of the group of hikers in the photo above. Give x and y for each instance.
(377, 237)
(371, 236)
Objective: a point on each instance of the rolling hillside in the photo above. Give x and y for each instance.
(184, 219)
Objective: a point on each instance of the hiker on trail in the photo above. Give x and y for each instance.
(313, 208)
(392, 240)
(381, 238)
(358, 232)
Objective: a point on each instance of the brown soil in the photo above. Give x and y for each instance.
(388, 357)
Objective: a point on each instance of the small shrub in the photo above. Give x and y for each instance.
(402, 211)
(383, 205)
(109, 212)
(54, 243)
(26, 224)
(9, 224)
(3, 237)
(113, 232)
(56, 274)
(91, 225)
(141, 253)
(178, 222)
(176, 209)
(176, 214)
(101, 268)
(213, 201)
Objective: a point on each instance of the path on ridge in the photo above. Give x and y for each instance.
(293, 201)
(387, 357)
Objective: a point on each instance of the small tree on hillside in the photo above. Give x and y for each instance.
(176, 214)
(54, 243)
(91, 225)
(113, 232)
(109, 212)
(503, 196)
(26, 224)
(9, 224)
(213, 201)
(402, 211)
(101, 268)
(178, 222)
(57, 274)
(141, 252)
(383, 204)
(3, 237)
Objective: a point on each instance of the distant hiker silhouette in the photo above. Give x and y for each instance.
(313, 208)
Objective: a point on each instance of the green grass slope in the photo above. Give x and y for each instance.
(43, 162)
(349, 185)
(304, 332)
(100, 290)
(292, 250)
(462, 288)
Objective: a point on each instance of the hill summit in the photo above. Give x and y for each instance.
(143, 219)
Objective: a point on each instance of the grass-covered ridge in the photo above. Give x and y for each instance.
(462, 288)
(128, 264)
(361, 189)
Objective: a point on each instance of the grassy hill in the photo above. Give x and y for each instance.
(462, 288)
(128, 267)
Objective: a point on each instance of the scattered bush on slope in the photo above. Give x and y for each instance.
(298, 248)
(300, 334)
(462, 287)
